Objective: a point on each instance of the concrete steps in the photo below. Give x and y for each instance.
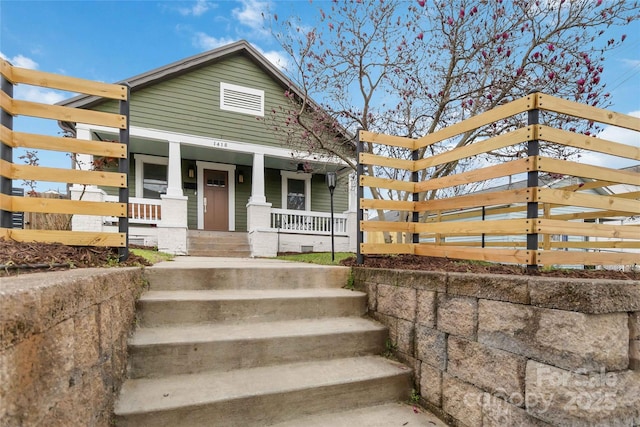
(218, 244)
(261, 396)
(161, 308)
(228, 342)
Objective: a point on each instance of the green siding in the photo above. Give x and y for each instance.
(321, 198)
(190, 103)
(273, 188)
(243, 192)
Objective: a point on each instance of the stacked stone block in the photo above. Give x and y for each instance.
(496, 350)
(63, 345)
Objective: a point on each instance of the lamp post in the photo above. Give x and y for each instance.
(331, 183)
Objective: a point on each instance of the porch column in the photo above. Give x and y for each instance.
(174, 171)
(352, 213)
(172, 228)
(83, 161)
(257, 180)
(262, 239)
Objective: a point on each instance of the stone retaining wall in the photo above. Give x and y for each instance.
(63, 342)
(497, 350)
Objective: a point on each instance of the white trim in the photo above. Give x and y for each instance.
(140, 160)
(231, 169)
(241, 90)
(220, 144)
(306, 177)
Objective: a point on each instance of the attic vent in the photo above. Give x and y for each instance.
(241, 99)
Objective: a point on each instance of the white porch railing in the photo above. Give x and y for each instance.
(307, 222)
(141, 211)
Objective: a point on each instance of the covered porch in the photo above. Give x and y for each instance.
(182, 182)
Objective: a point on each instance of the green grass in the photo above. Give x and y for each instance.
(151, 255)
(323, 258)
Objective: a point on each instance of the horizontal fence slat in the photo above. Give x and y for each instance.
(398, 205)
(552, 226)
(568, 198)
(375, 160)
(40, 173)
(387, 248)
(506, 197)
(586, 258)
(394, 226)
(56, 143)
(588, 215)
(590, 143)
(64, 206)
(566, 167)
(476, 228)
(511, 256)
(392, 184)
(562, 106)
(390, 140)
(497, 142)
(498, 113)
(71, 238)
(57, 81)
(599, 244)
(57, 112)
(5, 202)
(476, 175)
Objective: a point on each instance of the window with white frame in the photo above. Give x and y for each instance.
(296, 191)
(151, 176)
(241, 99)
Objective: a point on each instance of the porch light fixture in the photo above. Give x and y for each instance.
(300, 168)
(240, 177)
(191, 172)
(331, 183)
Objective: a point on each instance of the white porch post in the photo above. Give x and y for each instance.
(174, 171)
(172, 229)
(352, 213)
(263, 240)
(257, 180)
(83, 161)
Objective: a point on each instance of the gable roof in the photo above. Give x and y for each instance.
(191, 63)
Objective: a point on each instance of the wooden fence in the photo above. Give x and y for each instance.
(579, 223)
(11, 139)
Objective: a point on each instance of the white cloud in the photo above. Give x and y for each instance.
(278, 59)
(207, 42)
(199, 8)
(21, 61)
(252, 14)
(38, 94)
(33, 93)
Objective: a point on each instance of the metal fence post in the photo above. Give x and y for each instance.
(123, 167)
(415, 217)
(533, 149)
(6, 154)
(359, 196)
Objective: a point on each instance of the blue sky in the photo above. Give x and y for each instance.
(112, 40)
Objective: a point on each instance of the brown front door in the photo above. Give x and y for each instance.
(216, 200)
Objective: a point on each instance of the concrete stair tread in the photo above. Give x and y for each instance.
(387, 415)
(248, 294)
(199, 333)
(179, 391)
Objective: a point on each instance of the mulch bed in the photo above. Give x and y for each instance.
(413, 262)
(30, 257)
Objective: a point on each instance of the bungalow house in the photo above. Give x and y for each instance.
(204, 164)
